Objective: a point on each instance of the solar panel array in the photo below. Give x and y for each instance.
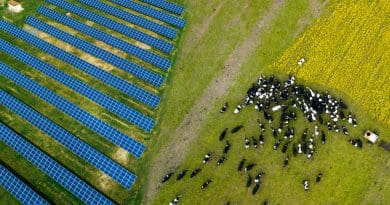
(137, 93)
(72, 110)
(144, 15)
(142, 73)
(74, 144)
(18, 188)
(162, 16)
(115, 26)
(134, 19)
(142, 54)
(109, 103)
(168, 6)
(52, 168)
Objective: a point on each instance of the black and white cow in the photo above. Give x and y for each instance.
(221, 160)
(224, 108)
(249, 167)
(195, 172)
(226, 148)
(206, 184)
(318, 178)
(167, 177)
(206, 158)
(181, 175)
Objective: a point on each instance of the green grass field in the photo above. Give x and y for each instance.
(244, 37)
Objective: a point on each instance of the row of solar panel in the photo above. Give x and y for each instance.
(133, 91)
(74, 144)
(140, 53)
(131, 18)
(168, 6)
(162, 16)
(83, 117)
(142, 73)
(18, 188)
(107, 102)
(52, 168)
(113, 25)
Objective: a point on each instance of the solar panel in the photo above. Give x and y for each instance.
(72, 110)
(18, 188)
(52, 168)
(166, 6)
(133, 91)
(142, 54)
(74, 144)
(109, 103)
(162, 16)
(115, 26)
(142, 73)
(129, 17)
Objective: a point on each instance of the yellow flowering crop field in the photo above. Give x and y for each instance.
(348, 50)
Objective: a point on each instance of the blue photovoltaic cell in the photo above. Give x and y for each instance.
(57, 172)
(140, 53)
(72, 110)
(133, 91)
(18, 188)
(109, 103)
(162, 16)
(115, 26)
(168, 6)
(74, 144)
(134, 19)
(142, 73)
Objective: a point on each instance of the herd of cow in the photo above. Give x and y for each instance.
(269, 95)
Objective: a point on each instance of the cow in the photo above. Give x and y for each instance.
(224, 108)
(175, 200)
(262, 128)
(195, 172)
(342, 115)
(167, 177)
(261, 138)
(345, 130)
(300, 148)
(316, 132)
(357, 143)
(294, 150)
(249, 167)
(226, 148)
(274, 133)
(318, 178)
(249, 181)
(304, 135)
(305, 185)
(258, 178)
(323, 137)
(206, 184)
(241, 164)
(236, 129)
(285, 162)
(247, 143)
(276, 145)
(238, 109)
(181, 175)
(354, 122)
(206, 158)
(221, 160)
(285, 146)
(329, 126)
(255, 143)
(255, 189)
(223, 134)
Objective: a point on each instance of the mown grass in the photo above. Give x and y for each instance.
(351, 176)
